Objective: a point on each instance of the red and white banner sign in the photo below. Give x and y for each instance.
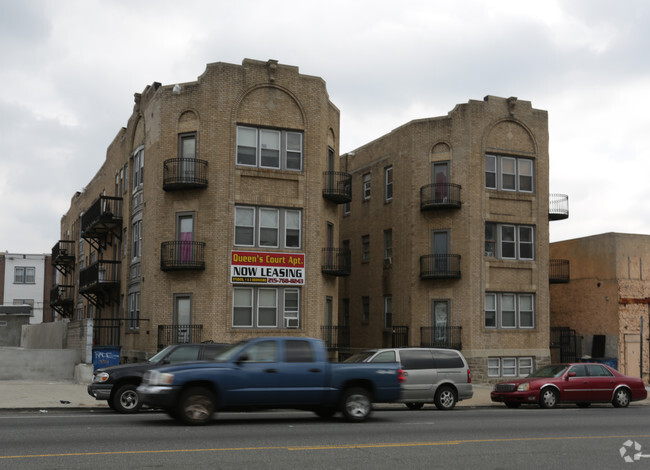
(267, 268)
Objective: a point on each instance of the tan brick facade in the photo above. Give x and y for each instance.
(608, 294)
(260, 95)
(461, 140)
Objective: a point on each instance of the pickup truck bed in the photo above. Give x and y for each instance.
(286, 372)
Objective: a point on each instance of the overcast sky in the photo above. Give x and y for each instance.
(69, 69)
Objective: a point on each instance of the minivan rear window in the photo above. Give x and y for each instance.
(416, 359)
(448, 360)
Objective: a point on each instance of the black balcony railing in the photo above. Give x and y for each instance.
(101, 274)
(106, 331)
(63, 257)
(441, 337)
(102, 217)
(558, 271)
(336, 261)
(179, 334)
(336, 336)
(558, 206)
(182, 255)
(184, 173)
(396, 337)
(337, 186)
(440, 196)
(440, 267)
(62, 300)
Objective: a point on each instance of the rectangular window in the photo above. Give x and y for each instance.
(24, 275)
(388, 311)
(187, 146)
(136, 233)
(269, 148)
(525, 366)
(509, 311)
(138, 168)
(509, 173)
(509, 366)
(268, 227)
(365, 248)
(366, 186)
(494, 367)
(133, 315)
(264, 307)
(388, 183)
(365, 310)
(388, 247)
(509, 241)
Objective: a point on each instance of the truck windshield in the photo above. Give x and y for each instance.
(156, 358)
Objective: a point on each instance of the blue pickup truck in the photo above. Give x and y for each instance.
(270, 372)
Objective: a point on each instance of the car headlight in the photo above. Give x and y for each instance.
(158, 378)
(100, 378)
(523, 387)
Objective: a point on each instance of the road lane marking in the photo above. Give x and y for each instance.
(330, 447)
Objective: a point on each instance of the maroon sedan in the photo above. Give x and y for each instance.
(581, 384)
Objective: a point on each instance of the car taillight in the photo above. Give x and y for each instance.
(401, 376)
(469, 377)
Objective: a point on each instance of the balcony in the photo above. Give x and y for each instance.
(440, 196)
(558, 271)
(184, 173)
(179, 334)
(100, 281)
(63, 258)
(336, 336)
(558, 206)
(448, 337)
(62, 300)
(440, 267)
(337, 186)
(336, 261)
(103, 217)
(181, 255)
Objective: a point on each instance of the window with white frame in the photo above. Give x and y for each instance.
(136, 234)
(388, 311)
(388, 183)
(138, 168)
(266, 307)
(133, 315)
(24, 275)
(509, 310)
(388, 247)
(269, 148)
(507, 241)
(366, 186)
(268, 227)
(510, 366)
(365, 248)
(509, 173)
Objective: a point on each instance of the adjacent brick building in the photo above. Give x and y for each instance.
(607, 299)
(449, 230)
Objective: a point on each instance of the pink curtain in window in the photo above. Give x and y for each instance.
(186, 247)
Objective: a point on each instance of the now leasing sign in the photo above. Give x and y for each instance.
(267, 268)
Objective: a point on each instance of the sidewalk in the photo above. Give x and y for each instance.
(21, 394)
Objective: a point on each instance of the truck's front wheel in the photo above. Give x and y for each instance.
(356, 405)
(196, 406)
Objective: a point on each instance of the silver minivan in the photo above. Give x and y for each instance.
(433, 375)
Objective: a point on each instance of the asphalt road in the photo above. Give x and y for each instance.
(394, 438)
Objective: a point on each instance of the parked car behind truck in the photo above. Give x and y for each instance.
(117, 384)
(264, 373)
(432, 375)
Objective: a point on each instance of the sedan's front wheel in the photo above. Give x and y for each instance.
(621, 398)
(549, 398)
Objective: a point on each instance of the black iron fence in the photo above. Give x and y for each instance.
(335, 336)
(396, 337)
(179, 254)
(105, 208)
(558, 271)
(440, 195)
(336, 261)
(441, 337)
(106, 331)
(179, 334)
(439, 266)
(337, 186)
(102, 272)
(181, 173)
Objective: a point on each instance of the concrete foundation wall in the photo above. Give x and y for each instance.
(44, 336)
(38, 364)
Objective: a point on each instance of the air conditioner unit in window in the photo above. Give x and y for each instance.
(388, 261)
(291, 322)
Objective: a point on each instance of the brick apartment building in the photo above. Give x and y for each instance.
(449, 231)
(223, 211)
(600, 312)
(209, 218)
